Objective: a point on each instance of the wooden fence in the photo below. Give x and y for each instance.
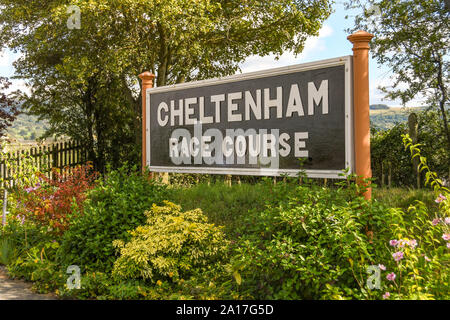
(45, 158)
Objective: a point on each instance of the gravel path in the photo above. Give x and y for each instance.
(18, 289)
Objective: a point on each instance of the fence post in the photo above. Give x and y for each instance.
(360, 41)
(55, 148)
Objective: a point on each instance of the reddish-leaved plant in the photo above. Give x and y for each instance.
(50, 202)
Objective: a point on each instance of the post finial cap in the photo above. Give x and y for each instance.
(360, 36)
(147, 76)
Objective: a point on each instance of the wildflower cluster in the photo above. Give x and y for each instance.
(441, 221)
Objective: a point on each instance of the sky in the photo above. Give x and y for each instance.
(332, 42)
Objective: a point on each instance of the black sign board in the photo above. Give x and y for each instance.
(271, 122)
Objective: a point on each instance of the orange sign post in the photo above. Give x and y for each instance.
(147, 83)
(360, 40)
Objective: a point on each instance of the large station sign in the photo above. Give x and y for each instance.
(270, 122)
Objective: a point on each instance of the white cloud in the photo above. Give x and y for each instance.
(377, 96)
(312, 45)
(18, 85)
(4, 59)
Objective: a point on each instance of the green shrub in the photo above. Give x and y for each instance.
(170, 246)
(21, 235)
(93, 285)
(300, 248)
(116, 205)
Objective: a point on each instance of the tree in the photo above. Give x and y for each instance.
(412, 37)
(8, 107)
(389, 156)
(85, 81)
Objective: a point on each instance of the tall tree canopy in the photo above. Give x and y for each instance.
(84, 81)
(412, 37)
(8, 107)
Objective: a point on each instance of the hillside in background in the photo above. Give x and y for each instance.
(27, 127)
(378, 107)
(384, 119)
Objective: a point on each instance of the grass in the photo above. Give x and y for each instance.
(6, 251)
(226, 205)
(403, 198)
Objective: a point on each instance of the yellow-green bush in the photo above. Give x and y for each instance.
(172, 245)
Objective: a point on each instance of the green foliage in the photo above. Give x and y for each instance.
(422, 271)
(170, 245)
(23, 170)
(431, 178)
(420, 242)
(411, 38)
(6, 251)
(402, 198)
(434, 146)
(37, 264)
(93, 284)
(279, 241)
(85, 81)
(9, 109)
(302, 248)
(387, 150)
(116, 205)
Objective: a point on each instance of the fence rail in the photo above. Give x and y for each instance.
(57, 155)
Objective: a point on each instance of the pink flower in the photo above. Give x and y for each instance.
(393, 243)
(382, 267)
(427, 259)
(446, 236)
(440, 198)
(402, 243)
(448, 245)
(21, 218)
(435, 221)
(447, 220)
(413, 243)
(391, 276)
(29, 189)
(397, 256)
(386, 295)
